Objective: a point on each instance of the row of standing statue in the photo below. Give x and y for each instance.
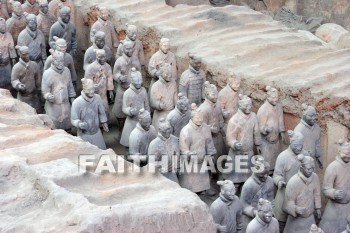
(187, 118)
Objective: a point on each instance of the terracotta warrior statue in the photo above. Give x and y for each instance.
(287, 165)
(131, 36)
(17, 22)
(101, 73)
(229, 96)
(180, 115)
(227, 209)
(348, 226)
(45, 21)
(264, 222)
(192, 81)
(135, 98)
(7, 55)
(271, 122)
(121, 74)
(61, 46)
(196, 144)
(31, 7)
(302, 197)
(163, 94)
(3, 10)
(166, 148)
(259, 185)
(55, 5)
(312, 133)
(64, 29)
(88, 113)
(34, 39)
(141, 137)
(26, 79)
(58, 91)
(163, 55)
(98, 43)
(336, 187)
(241, 135)
(212, 116)
(105, 25)
(315, 229)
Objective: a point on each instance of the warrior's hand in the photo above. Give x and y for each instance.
(13, 62)
(161, 105)
(111, 95)
(226, 114)
(339, 194)
(133, 111)
(22, 88)
(238, 146)
(157, 74)
(214, 129)
(105, 127)
(51, 98)
(83, 125)
(266, 130)
(320, 164)
(318, 213)
(281, 184)
(258, 148)
(300, 210)
(74, 51)
(72, 99)
(222, 229)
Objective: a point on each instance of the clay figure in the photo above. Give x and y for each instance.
(336, 187)
(45, 21)
(166, 148)
(7, 55)
(227, 209)
(192, 81)
(196, 144)
(55, 5)
(88, 113)
(180, 115)
(213, 117)
(271, 122)
(121, 75)
(31, 7)
(163, 55)
(131, 37)
(34, 39)
(241, 135)
(348, 226)
(57, 89)
(312, 133)
(61, 46)
(287, 165)
(26, 79)
(101, 73)
(163, 94)
(105, 25)
(229, 97)
(302, 197)
(17, 22)
(98, 43)
(3, 10)
(315, 229)
(264, 222)
(64, 29)
(259, 185)
(135, 98)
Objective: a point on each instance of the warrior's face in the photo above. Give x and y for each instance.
(25, 56)
(265, 214)
(307, 169)
(100, 42)
(228, 191)
(212, 95)
(89, 91)
(310, 117)
(44, 8)
(246, 107)
(273, 100)
(165, 130)
(345, 153)
(132, 34)
(137, 81)
(58, 62)
(65, 16)
(296, 146)
(32, 25)
(262, 176)
(235, 84)
(197, 119)
(2, 27)
(183, 105)
(104, 14)
(17, 8)
(145, 123)
(165, 47)
(128, 50)
(196, 63)
(31, 2)
(101, 58)
(61, 48)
